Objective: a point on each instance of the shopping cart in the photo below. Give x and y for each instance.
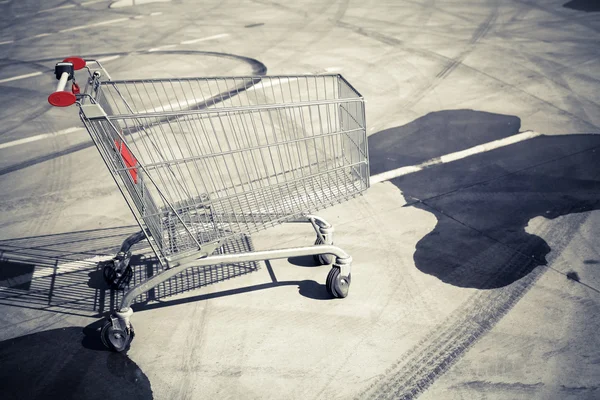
(203, 161)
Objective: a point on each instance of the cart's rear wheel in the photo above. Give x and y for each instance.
(338, 285)
(323, 259)
(116, 339)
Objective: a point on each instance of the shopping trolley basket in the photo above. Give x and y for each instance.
(202, 161)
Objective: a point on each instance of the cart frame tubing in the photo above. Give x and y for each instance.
(343, 261)
(202, 170)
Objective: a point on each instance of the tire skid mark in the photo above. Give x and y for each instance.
(553, 72)
(281, 6)
(30, 112)
(313, 18)
(431, 6)
(440, 57)
(258, 69)
(407, 284)
(441, 31)
(60, 169)
(450, 66)
(565, 17)
(434, 355)
(342, 8)
(425, 14)
(194, 340)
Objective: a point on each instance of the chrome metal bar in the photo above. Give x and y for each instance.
(153, 113)
(227, 259)
(262, 151)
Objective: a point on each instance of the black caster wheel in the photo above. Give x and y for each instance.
(109, 273)
(115, 279)
(116, 339)
(323, 259)
(337, 284)
(124, 280)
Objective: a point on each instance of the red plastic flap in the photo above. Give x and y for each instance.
(77, 62)
(128, 158)
(62, 99)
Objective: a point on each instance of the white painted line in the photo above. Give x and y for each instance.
(130, 3)
(71, 266)
(7, 42)
(272, 82)
(174, 106)
(39, 137)
(107, 59)
(155, 14)
(482, 148)
(41, 35)
(112, 21)
(138, 17)
(16, 78)
(168, 46)
(204, 39)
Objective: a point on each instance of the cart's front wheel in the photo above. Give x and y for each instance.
(115, 279)
(323, 259)
(116, 339)
(337, 284)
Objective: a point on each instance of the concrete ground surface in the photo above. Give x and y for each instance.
(472, 279)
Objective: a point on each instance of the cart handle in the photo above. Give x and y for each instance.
(64, 73)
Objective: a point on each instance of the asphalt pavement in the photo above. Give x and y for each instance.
(475, 258)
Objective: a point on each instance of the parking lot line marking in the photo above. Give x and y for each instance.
(39, 137)
(7, 42)
(263, 85)
(16, 78)
(110, 58)
(168, 46)
(204, 39)
(112, 21)
(482, 148)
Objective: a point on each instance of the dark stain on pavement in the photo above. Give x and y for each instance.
(485, 202)
(68, 363)
(583, 5)
(16, 275)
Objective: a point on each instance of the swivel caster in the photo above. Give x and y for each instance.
(338, 285)
(323, 259)
(117, 272)
(324, 232)
(116, 336)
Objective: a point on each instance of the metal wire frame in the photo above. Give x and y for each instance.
(230, 156)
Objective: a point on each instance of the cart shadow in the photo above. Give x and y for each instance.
(60, 364)
(485, 202)
(583, 5)
(303, 261)
(62, 273)
(307, 288)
